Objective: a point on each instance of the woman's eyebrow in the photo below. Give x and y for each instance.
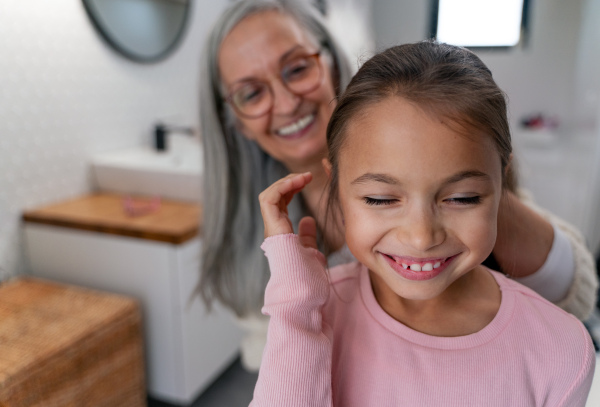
(282, 59)
(289, 52)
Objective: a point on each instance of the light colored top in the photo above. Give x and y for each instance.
(554, 279)
(331, 344)
(580, 299)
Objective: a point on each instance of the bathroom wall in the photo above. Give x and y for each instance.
(65, 96)
(538, 77)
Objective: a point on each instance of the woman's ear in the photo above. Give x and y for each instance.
(327, 167)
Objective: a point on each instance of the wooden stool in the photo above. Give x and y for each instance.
(63, 345)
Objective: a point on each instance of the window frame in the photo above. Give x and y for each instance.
(523, 37)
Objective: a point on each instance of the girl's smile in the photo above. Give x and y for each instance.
(420, 202)
(418, 269)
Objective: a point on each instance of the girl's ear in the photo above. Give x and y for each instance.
(508, 169)
(510, 176)
(327, 167)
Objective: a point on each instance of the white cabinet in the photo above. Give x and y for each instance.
(186, 347)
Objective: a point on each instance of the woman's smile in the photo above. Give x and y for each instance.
(293, 130)
(298, 128)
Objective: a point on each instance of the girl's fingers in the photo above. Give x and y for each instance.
(307, 231)
(274, 201)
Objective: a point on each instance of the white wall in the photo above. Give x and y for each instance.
(65, 95)
(587, 108)
(536, 78)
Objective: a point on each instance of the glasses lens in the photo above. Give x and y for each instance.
(252, 99)
(302, 75)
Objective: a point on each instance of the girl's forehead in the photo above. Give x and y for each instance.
(396, 136)
(257, 44)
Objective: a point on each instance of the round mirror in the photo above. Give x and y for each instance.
(142, 30)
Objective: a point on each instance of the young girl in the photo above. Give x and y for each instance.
(419, 152)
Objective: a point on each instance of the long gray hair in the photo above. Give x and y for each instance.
(234, 269)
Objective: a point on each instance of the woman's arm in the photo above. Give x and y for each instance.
(525, 238)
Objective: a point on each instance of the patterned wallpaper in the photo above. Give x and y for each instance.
(65, 96)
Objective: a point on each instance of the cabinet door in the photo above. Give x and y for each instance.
(139, 268)
(210, 340)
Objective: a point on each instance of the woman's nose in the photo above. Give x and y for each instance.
(285, 102)
(422, 231)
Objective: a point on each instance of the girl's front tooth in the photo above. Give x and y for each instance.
(405, 265)
(436, 265)
(427, 267)
(415, 267)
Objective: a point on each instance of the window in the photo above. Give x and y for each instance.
(480, 23)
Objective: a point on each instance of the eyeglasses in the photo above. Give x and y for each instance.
(254, 98)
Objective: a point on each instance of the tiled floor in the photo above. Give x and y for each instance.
(233, 388)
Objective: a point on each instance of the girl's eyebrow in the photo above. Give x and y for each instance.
(388, 179)
(371, 177)
(466, 174)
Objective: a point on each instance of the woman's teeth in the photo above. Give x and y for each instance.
(297, 126)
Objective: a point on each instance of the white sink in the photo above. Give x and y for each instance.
(172, 174)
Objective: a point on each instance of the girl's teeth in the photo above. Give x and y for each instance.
(418, 267)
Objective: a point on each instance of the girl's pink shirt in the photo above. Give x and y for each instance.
(331, 344)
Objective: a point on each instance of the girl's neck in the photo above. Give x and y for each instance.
(465, 307)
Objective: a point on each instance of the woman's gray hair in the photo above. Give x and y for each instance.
(234, 269)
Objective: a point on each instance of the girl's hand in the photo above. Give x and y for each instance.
(273, 206)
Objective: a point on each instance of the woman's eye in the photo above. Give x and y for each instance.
(467, 200)
(295, 70)
(379, 201)
(249, 94)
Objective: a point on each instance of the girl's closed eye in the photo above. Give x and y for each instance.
(464, 200)
(379, 200)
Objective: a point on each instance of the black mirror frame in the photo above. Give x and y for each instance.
(113, 43)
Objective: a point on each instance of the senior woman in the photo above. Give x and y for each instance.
(269, 81)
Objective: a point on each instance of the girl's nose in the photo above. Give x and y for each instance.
(285, 102)
(422, 231)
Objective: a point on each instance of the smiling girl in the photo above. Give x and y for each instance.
(419, 156)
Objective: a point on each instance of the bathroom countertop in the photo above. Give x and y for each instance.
(170, 221)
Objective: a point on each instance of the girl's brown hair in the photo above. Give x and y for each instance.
(444, 80)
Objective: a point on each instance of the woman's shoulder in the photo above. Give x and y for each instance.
(550, 325)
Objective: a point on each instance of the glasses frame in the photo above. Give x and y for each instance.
(229, 97)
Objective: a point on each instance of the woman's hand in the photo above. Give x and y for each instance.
(524, 237)
(273, 206)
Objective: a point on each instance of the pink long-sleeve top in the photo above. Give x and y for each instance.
(330, 344)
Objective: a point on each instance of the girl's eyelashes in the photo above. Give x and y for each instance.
(378, 201)
(465, 200)
(462, 200)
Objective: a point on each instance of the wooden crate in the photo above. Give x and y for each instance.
(63, 345)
